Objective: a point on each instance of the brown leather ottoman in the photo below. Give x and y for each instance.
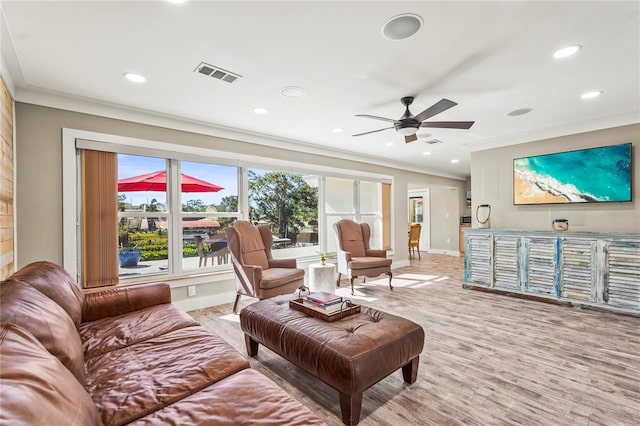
(350, 354)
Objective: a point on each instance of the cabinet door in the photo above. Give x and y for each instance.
(478, 259)
(505, 268)
(622, 274)
(540, 265)
(578, 269)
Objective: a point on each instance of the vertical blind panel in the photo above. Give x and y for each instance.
(99, 220)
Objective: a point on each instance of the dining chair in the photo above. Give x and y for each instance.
(414, 239)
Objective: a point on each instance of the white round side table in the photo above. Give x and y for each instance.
(322, 277)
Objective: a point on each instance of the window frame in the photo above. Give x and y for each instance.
(73, 139)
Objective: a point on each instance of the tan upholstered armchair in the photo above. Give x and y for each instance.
(257, 273)
(355, 257)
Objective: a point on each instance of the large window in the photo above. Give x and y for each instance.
(153, 222)
(163, 213)
(209, 199)
(357, 200)
(288, 204)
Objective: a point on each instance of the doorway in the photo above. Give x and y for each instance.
(419, 213)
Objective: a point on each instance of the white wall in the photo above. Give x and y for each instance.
(39, 180)
(492, 183)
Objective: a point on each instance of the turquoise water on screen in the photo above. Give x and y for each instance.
(597, 174)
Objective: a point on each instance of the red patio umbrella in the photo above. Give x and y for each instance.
(157, 181)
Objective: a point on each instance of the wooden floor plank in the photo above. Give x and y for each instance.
(488, 359)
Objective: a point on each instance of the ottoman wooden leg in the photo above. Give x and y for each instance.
(350, 406)
(410, 371)
(252, 345)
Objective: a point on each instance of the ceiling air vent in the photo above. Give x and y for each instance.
(433, 141)
(217, 72)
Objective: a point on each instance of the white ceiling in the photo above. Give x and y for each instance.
(489, 57)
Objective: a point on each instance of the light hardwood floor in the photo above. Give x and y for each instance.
(488, 359)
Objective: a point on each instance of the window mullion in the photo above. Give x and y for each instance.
(175, 210)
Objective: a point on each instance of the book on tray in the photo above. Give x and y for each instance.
(323, 302)
(327, 309)
(324, 298)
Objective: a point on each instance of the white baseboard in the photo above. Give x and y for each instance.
(202, 302)
(445, 252)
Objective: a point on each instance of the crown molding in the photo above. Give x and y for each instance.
(62, 101)
(566, 129)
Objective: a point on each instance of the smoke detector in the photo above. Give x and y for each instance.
(217, 72)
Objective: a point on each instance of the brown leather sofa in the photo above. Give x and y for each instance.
(122, 356)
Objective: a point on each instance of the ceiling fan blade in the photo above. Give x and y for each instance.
(375, 117)
(410, 138)
(373, 131)
(437, 108)
(448, 124)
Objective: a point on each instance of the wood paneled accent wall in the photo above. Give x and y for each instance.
(7, 264)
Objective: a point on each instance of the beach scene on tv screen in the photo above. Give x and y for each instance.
(585, 176)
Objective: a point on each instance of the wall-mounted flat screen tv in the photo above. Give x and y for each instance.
(591, 175)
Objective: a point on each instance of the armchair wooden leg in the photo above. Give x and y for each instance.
(339, 277)
(390, 276)
(418, 248)
(235, 304)
(352, 278)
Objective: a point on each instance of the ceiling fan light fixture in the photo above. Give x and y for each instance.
(407, 131)
(402, 26)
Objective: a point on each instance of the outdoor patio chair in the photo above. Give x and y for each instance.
(355, 257)
(202, 251)
(258, 274)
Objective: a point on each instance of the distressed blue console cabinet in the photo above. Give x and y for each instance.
(588, 268)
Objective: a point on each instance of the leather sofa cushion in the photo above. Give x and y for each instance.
(245, 398)
(277, 277)
(112, 333)
(55, 283)
(36, 388)
(132, 382)
(26, 307)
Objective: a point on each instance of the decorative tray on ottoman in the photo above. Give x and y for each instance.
(347, 309)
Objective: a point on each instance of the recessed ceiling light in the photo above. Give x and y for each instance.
(454, 161)
(426, 153)
(336, 130)
(260, 110)
(402, 26)
(521, 111)
(567, 51)
(293, 92)
(177, 1)
(389, 144)
(136, 78)
(591, 95)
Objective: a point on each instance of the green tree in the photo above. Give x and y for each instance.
(194, 206)
(285, 200)
(228, 204)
